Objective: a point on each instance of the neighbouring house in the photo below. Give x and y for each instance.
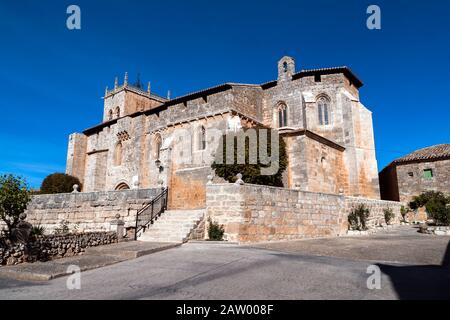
(422, 170)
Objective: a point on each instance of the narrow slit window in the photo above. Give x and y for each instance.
(202, 138)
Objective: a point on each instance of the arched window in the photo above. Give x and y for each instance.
(122, 186)
(157, 143)
(118, 112)
(323, 109)
(285, 66)
(282, 115)
(118, 154)
(110, 115)
(201, 138)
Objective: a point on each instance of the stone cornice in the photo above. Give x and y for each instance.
(312, 135)
(205, 116)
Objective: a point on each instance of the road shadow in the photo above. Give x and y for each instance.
(425, 282)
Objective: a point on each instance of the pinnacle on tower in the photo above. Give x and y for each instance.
(116, 83)
(125, 80)
(148, 88)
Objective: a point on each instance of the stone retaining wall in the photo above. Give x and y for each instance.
(45, 248)
(88, 212)
(252, 213)
(376, 208)
(435, 230)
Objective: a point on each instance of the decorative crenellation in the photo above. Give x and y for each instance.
(126, 85)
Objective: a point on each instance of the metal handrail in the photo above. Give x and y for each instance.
(150, 212)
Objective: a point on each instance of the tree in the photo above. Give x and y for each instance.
(357, 219)
(436, 204)
(251, 173)
(59, 183)
(14, 197)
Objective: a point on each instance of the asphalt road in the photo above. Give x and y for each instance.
(225, 271)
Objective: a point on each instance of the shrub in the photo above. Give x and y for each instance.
(404, 211)
(357, 218)
(436, 205)
(215, 231)
(59, 183)
(388, 215)
(438, 211)
(14, 197)
(62, 228)
(37, 231)
(76, 227)
(251, 173)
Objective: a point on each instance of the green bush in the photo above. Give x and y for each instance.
(438, 211)
(251, 173)
(59, 183)
(436, 204)
(14, 197)
(215, 231)
(62, 228)
(404, 211)
(388, 215)
(37, 231)
(357, 218)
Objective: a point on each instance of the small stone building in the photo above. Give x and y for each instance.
(147, 141)
(422, 170)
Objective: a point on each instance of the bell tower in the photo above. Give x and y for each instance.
(127, 99)
(286, 68)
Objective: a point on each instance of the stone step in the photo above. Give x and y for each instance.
(173, 226)
(191, 221)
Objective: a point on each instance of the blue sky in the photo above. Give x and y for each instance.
(52, 79)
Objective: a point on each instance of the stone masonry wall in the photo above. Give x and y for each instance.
(91, 211)
(51, 247)
(252, 213)
(376, 208)
(411, 180)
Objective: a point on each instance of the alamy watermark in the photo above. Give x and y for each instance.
(251, 146)
(74, 280)
(374, 280)
(73, 21)
(374, 20)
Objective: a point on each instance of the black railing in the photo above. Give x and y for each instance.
(151, 212)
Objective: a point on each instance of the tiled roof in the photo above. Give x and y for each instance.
(440, 151)
(322, 71)
(219, 88)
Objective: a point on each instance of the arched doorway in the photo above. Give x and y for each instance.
(122, 186)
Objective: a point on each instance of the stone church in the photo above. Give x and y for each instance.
(327, 130)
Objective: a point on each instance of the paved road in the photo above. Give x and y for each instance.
(401, 245)
(223, 271)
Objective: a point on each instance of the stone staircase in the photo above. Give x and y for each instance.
(173, 226)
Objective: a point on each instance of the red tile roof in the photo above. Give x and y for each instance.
(437, 152)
